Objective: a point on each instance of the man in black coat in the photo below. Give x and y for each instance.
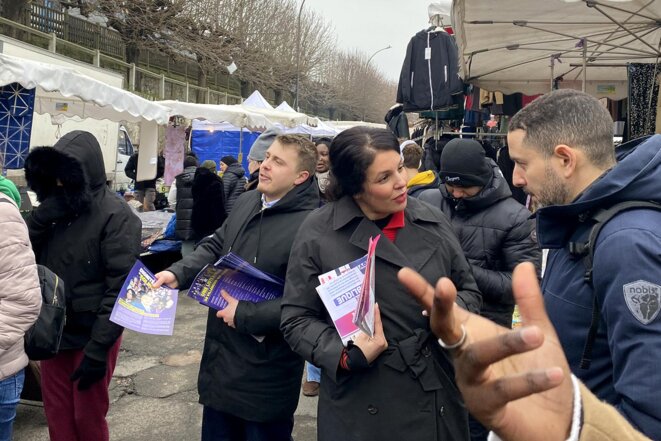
(90, 238)
(145, 191)
(208, 201)
(494, 230)
(249, 378)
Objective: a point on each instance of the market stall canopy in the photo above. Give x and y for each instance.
(258, 104)
(321, 129)
(236, 115)
(64, 91)
(518, 46)
(343, 125)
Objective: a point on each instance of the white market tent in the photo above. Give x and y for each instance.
(343, 125)
(84, 96)
(64, 92)
(257, 103)
(322, 129)
(236, 115)
(519, 46)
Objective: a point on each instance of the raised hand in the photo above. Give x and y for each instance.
(517, 383)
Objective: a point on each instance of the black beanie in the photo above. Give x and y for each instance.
(463, 163)
(228, 160)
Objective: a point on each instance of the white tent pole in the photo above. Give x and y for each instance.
(585, 64)
(552, 65)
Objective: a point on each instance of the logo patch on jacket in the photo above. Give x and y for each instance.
(643, 300)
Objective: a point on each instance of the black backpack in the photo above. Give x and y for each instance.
(42, 340)
(585, 250)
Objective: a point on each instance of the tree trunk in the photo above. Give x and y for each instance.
(245, 89)
(201, 82)
(17, 11)
(132, 53)
(278, 96)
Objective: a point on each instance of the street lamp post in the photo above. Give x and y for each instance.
(367, 65)
(298, 54)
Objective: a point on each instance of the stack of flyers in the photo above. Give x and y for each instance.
(141, 308)
(238, 278)
(364, 316)
(340, 290)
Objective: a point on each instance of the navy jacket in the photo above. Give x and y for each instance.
(627, 281)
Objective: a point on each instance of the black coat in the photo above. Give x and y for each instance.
(184, 208)
(84, 233)
(429, 84)
(408, 392)
(253, 181)
(496, 234)
(208, 203)
(397, 122)
(131, 170)
(239, 375)
(235, 183)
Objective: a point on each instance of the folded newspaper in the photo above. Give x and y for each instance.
(142, 308)
(238, 278)
(348, 294)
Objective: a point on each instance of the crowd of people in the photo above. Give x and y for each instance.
(458, 252)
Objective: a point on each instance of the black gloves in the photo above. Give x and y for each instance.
(89, 372)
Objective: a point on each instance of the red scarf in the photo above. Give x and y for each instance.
(394, 224)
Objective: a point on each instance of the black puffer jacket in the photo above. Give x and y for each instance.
(496, 234)
(85, 234)
(235, 183)
(184, 209)
(239, 375)
(208, 203)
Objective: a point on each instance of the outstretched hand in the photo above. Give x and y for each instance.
(517, 383)
(166, 278)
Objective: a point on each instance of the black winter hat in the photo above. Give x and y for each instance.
(228, 160)
(463, 163)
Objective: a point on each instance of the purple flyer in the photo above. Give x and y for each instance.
(143, 309)
(238, 278)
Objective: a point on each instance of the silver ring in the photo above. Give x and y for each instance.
(456, 345)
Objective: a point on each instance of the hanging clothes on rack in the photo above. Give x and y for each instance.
(643, 98)
(397, 121)
(429, 79)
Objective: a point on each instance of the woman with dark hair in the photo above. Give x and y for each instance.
(398, 384)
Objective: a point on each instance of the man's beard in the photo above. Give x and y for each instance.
(554, 191)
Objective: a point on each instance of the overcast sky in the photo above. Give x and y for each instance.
(370, 25)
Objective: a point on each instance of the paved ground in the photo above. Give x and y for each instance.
(154, 393)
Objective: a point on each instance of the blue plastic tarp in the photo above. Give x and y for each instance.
(215, 144)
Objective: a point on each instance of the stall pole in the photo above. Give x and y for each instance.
(552, 66)
(585, 65)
